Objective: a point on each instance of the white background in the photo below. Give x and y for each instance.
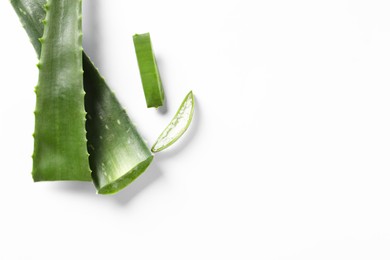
(288, 156)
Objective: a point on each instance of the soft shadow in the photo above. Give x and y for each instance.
(84, 188)
(187, 138)
(91, 27)
(139, 185)
(161, 70)
(124, 196)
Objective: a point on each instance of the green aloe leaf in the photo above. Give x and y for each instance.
(150, 76)
(118, 154)
(60, 142)
(178, 125)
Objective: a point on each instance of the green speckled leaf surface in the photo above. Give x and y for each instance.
(60, 151)
(128, 154)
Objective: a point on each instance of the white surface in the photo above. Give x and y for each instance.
(288, 156)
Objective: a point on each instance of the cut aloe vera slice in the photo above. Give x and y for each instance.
(121, 142)
(151, 81)
(60, 141)
(178, 125)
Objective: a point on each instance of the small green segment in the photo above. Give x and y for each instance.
(60, 143)
(151, 81)
(118, 154)
(178, 125)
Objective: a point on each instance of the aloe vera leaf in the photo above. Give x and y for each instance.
(60, 143)
(103, 109)
(150, 76)
(31, 14)
(178, 125)
(118, 152)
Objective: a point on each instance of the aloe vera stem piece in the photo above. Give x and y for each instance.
(178, 125)
(60, 143)
(103, 111)
(151, 81)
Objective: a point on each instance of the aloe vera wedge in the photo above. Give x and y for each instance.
(60, 142)
(118, 152)
(151, 81)
(178, 125)
(114, 162)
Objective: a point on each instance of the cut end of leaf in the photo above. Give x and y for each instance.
(126, 179)
(178, 125)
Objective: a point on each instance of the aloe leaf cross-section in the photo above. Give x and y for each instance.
(178, 125)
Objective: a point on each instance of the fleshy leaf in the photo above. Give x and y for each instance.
(178, 125)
